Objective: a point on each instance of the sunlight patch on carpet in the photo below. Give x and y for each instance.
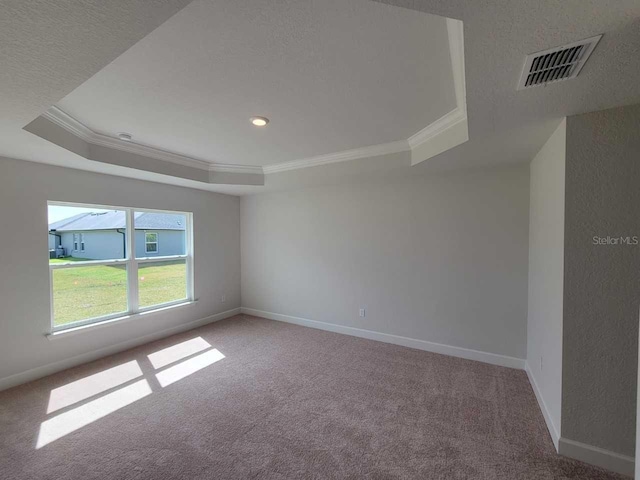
(72, 420)
(172, 354)
(87, 387)
(188, 367)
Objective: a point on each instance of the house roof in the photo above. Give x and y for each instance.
(116, 219)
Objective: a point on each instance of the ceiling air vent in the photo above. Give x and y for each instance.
(560, 63)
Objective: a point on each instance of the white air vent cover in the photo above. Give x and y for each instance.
(560, 63)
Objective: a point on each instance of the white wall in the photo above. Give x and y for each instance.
(546, 276)
(24, 284)
(602, 280)
(440, 258)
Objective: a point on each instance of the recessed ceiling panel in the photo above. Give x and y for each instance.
(330, 75)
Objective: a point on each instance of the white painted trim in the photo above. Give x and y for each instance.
(485, 357)
(77, 128)
(114, 319)
(553, 431)
(438, 127)
(599, 457)
(69, 123)
(228, 168)
(74, 126)
(445, 133)
(344, 156)
(451, 129)
(43, 371)
(455, 32)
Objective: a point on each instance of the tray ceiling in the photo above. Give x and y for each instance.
(331, 76)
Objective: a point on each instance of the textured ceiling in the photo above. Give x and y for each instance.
(331, 75)
(507, 125)
(50, 48)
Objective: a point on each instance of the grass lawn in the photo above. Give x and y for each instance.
(98, 290)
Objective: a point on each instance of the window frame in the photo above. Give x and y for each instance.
(131, 263)
(156, 243)
(81, 242)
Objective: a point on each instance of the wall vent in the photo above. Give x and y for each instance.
(555, 64)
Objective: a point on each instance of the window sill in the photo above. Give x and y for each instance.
(105, 323)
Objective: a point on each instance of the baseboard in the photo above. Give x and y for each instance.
(599, 457)
(553, 431)
(492, 358)
(43, 371)
(581, 451)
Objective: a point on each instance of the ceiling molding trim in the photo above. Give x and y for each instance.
(69, 123)
(436, 128)
(455, 32)
(228, 168)
(80, 130)
(447, 132)
(451, 129)
(74, 126)
(344, 156)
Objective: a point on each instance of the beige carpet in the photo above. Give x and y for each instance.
(253, 398)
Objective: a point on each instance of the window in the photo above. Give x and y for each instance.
(126, 270)
(151, 242)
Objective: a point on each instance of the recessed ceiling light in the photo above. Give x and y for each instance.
(259, 121)
(125, 136)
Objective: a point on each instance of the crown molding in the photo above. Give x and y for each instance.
(343, 156)
(451, 129)
(228, 168)
(74, 126)
(77, 128)
(447, 132)
(455, 32)
(447, 123)
(66, 121)
(441, 125)
(80, 130)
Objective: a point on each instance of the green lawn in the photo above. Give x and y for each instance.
(98, 290)
(162, 282)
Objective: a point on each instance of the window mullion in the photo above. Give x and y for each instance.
(52, 317)
(189, 252)
(146, 275)
(132, 264)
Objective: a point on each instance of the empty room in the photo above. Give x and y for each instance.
(319, 239)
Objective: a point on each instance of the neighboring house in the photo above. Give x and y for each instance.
(101, 236)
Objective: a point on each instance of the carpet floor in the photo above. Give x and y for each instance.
(254, 398)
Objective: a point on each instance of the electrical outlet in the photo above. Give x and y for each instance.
(223, 298)
(362, 312)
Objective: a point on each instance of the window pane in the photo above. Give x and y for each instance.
(86, 233)
(81, 293)
(162, 282)
(160, 234)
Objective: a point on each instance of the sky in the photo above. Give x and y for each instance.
(59, 213)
